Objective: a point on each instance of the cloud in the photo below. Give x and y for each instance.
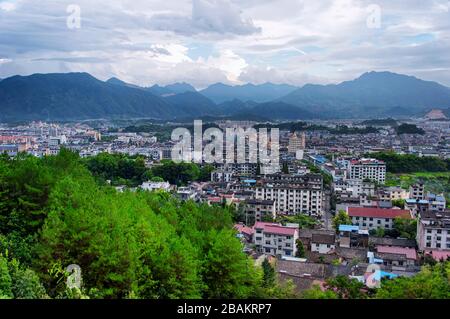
(208, 16)
(3, 61)
(232, 41)
(7, 6)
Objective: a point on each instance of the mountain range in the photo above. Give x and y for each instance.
(80, 96)
(372, 94)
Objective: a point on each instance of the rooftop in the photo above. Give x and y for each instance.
(277, 229)
(410, 253)
(378, 212)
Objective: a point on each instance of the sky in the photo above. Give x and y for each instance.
(202, 42)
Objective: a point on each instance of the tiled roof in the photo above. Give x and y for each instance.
(277, 229)
(378, 212)
(243, 229)
(409, 252)
(438, 254)
(323, 239)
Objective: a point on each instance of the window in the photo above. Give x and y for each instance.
(438, 245)
(267, 250)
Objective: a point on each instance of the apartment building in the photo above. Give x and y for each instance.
(417, 191)
(275, 239)
(295, 195)
(433, 231)
(297, 142)
(374, 218)
(392, 193)
(258, 208)
(367, 169)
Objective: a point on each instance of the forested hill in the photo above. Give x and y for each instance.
(128, 245)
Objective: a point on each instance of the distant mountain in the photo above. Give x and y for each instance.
(76, 96)
(179, 88)
(159, 90)
(235, 106)
(116, 81)
(267, 92)
(372, 94)
(280, 111)
(192, 104)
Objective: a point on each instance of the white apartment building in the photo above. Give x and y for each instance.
(373, 218)
(294, 197)
(367, 168)
(275, 239)
(433, 231)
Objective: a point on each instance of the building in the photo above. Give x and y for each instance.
(186, 193)
(417, 191)
(258, 208)
(297, 142)
(323, 243)
(304, 194)
(373, 218)
(275, 239)
(352, 236)
(367, 169)
(11, 150)
(433, 231)
(153, 186)
(222, 175)
(396, 256)
(392, 193)
(436, 203)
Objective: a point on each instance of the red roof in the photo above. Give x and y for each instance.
(277, 229)
(438, 254)
(410, 253)
(242, 229)
(378, 212)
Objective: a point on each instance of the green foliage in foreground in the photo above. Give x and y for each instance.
(128, 245)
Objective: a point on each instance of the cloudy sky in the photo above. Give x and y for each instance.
(232, 41)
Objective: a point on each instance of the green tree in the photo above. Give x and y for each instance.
(405, 228)
(341, 218)
(317, 293)
(268, 274)
(431, 283)
(346, 288)
(300, 249)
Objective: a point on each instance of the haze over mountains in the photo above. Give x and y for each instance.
(80, 96)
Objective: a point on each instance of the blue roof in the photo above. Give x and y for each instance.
(250, 181)
(348, 228)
